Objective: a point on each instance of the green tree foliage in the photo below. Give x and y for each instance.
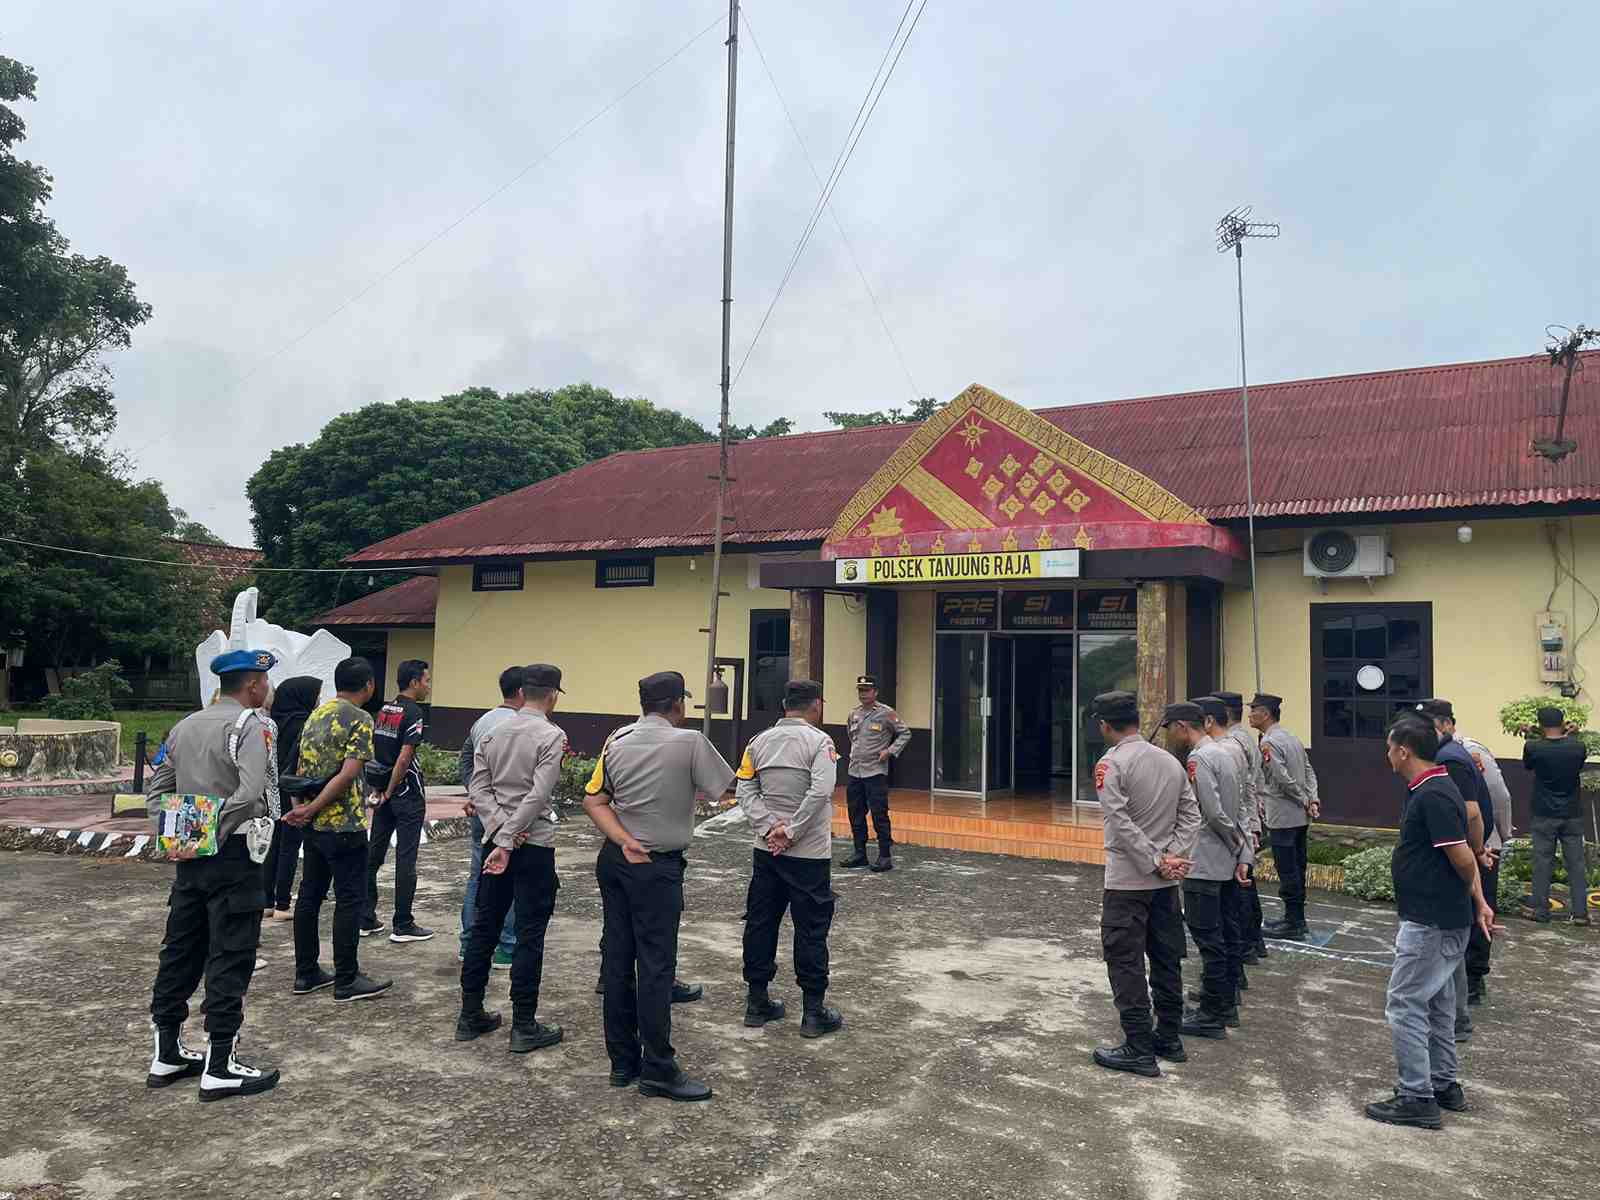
(781, 427)
(59, 312)
(90, 696)
(920, 411)
(391, 467)
(74, 610)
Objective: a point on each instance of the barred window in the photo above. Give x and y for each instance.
(497, 577)
(624, 572)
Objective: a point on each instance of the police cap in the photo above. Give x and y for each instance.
(1183, 710)
(1116, 706)
(542, 675)
(1231, 699)
(799, 693)
(866, 681)
(235, 661)
(663, 685)
(1213, 707)
(1266, 700)
(1438, 709)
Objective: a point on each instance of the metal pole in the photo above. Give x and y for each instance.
(1249, 482)
(727, 319)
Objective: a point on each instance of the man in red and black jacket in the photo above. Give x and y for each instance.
(400, 801)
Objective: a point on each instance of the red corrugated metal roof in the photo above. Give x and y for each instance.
(410, 603)
(1393, 441)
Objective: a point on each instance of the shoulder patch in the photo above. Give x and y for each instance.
(1193, 767)
(1101, 769)
(1477, 760)
(747, 768)
(1266, 751)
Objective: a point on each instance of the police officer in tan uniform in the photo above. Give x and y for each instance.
(876, 735)
(1151, 822)
(1250, 895)
(642, 797)
(786, 782)
(1289, 790)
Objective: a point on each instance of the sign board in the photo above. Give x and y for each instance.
(1108, 608)
(967, 612)
(958, 568)
(1036, 612)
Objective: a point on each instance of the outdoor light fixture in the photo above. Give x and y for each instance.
(1464, 534)
(717, 694)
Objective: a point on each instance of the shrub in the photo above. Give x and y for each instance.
(576, 771)
(1367, 875)
(1518, 714)
(439, 767)
(90, 695)
(1516, 865)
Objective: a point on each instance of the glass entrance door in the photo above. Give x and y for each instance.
(960, 675)
(1002, 710)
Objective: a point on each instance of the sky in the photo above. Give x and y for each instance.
(1032, 203)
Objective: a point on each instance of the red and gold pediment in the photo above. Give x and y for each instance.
(984, 475)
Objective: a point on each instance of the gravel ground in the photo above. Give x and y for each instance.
(973, 993)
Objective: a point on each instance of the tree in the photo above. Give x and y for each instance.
(75, 610)
(391, 467)
(59, 312)
(917, 413)
(780, 427)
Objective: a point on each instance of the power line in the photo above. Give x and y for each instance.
(832, 212)
(869, 104)
(250, 570)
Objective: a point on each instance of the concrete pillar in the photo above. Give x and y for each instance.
(1155, 652)
(805, 634)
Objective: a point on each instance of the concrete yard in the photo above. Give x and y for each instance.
(973, 993)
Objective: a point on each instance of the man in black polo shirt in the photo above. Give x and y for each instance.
(401, 801)
(1436, 889)
(1556, 758)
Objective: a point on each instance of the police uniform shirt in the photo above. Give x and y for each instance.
(1287, 790)
(1252, 776)
(199, 764)
(872, 729)
(1499, 794)
(1220, 847)
(515, 769)
(787, 776)
(652, 770)
(1150, 811)
(1244, 806)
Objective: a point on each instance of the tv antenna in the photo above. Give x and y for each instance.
(1232, 231)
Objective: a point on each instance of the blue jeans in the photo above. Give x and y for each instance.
(508, 931)
(1421, 1007)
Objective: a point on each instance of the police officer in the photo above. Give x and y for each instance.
(876, 735)
(1209, 899)
(1500, 796)
(1250, 800)
(1151, 821)
(1289, 799)
(641, 797)
(516, 766)
(786, 782)
(214, 911)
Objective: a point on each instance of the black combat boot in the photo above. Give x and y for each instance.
(474, 1021)
(858, 859)
(1401, 1110)
(760, 1008)
(1171, 1050)
(173, 1060)
(1127, 1057)
(885, 863)
(686, 993)
(679, 1087)
(819, 1018)
(1477, 989)
(1201, 1022)
(226, 1076)
(528, 1034)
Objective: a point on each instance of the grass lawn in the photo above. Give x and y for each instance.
(153, 724)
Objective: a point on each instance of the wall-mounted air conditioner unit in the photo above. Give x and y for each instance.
(1346, 554)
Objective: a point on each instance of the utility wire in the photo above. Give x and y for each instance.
(832, 212)
(869, 104)
(250, 570)
(504, 187)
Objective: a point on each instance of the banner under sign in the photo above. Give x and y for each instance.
(1025, 612)
(1108, 608)
(957, 568)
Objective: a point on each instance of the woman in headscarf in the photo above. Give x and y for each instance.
(291, 705)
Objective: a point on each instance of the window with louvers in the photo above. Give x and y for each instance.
(497, 577)
(625, 572)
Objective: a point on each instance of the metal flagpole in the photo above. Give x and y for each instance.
(1231, 232)
(727, 316)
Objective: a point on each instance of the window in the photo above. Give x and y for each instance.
(624, 572)
(769, 661)
(497, 577)
(1369, 662)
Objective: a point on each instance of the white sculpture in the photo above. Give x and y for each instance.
(297, 654)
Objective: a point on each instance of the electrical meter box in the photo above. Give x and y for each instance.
(1551, 630)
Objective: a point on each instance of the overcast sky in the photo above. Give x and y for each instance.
(1033, 202)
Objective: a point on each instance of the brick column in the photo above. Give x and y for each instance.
(805, 634)
(1154, 652)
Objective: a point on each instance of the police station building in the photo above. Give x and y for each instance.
(998, 566)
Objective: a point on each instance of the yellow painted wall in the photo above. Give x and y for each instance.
(603, 639)
(914, 682)
(1484, 597)
(404, 644)
(844, 653)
